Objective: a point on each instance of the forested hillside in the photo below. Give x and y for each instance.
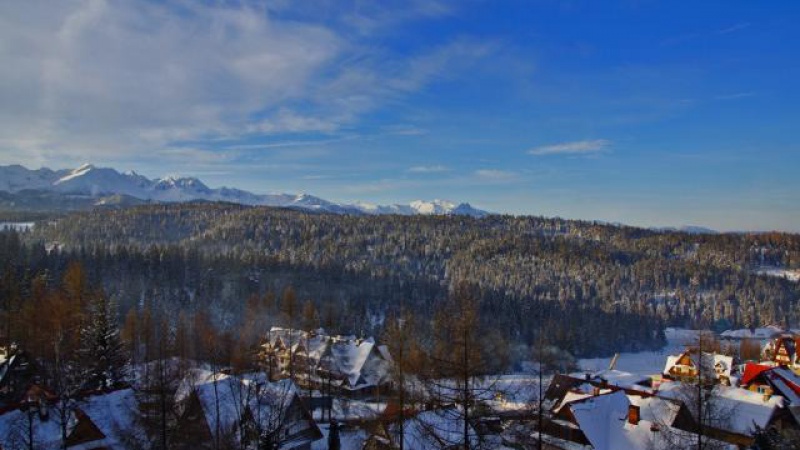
(593, 288)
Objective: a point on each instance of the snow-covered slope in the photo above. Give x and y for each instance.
(17, 178)
(106, 185)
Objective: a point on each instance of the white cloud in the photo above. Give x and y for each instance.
(105, 75)
(104, 80)
(736, 96)
(584, 147)
(428, 169)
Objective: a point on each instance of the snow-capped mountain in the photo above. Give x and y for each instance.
(421, 207)
(108, 186)
(16, 178)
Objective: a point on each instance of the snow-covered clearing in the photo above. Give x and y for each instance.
(791, 275)
(645, 363)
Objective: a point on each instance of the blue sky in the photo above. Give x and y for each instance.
(642, 112)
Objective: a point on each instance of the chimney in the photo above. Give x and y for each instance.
(767, 391)
(633, 414)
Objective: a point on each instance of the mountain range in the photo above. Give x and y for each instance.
(89, 185)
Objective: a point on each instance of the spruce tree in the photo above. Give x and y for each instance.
(102, 353)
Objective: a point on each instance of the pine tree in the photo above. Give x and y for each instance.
(102, 353)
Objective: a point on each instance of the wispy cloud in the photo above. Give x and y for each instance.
(404, 130)
(585, 147)
(428, 169)
(736, 96)
(734, 28)
(495, 175)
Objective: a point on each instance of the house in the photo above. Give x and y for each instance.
(217, 409)
(16, 373)
(347, 363)
(733, 414)
(666, 409)
(782, 351)
(102, 421)
(711, 366)
(590, 412)
(426, 430)
(769, 380)
(616, 421)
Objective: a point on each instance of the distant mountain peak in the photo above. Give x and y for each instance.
(111, 186)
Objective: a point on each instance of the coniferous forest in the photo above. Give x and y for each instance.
(591, 288)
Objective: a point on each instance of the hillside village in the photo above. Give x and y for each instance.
(318, 391)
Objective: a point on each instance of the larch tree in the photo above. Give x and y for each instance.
(458, 368)
(289, 309)
(407, 358)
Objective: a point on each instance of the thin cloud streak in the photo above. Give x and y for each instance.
(585, 147)
(428, 169)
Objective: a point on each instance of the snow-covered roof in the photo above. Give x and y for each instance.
(744, 409)
(602, 418)
(621, 378)
(115, 415)
(570, 398)
(604, 421)
(216, 392)
(14, 427)
(655, 409)
(350, 358)
(767, 332)
(360, 362)
(232, 396)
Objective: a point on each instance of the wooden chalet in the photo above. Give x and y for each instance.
(783, 351)
(347, 364)
(687, 367)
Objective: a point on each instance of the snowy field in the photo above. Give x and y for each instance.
(644, 363)
(791, 275)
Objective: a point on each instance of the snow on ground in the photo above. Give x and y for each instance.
(350, 439)
(791, 275)
(17, 226)
(644, 363)
(347, 409)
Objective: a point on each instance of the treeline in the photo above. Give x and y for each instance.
(599, 288)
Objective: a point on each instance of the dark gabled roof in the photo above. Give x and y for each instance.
(85, 430)
(559, 387)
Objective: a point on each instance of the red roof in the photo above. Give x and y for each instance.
(752, 370)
